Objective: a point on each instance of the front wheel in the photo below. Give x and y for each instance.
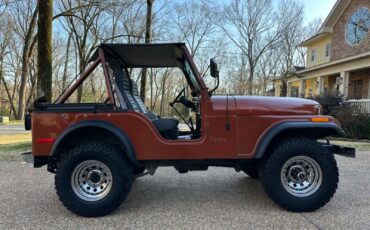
(93, 179)
(300, 175)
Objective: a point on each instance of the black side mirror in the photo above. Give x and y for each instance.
(214, 68)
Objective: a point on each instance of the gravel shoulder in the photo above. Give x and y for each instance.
(12, 152)
(216, 199)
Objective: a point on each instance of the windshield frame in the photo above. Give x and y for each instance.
(189, 74)
(193, 76)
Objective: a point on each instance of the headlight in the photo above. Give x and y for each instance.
(318, 109)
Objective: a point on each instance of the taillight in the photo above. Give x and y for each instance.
(45, 140)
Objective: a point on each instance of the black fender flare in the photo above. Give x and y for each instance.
(119, 133)
(329, 127)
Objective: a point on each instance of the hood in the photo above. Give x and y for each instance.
(250, 105)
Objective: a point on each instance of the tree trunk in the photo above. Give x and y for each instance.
(33, 81)
(151, 92)
(25, 63)
(65, 72)
(284, 89)
(250, 80)
(163, 93)
(44, 49)
(82, 70)
(148, 37)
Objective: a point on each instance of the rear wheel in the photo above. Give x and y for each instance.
(93, 179)
(300, 175)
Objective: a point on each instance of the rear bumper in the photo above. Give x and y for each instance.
(340, 150)
(27, 158)
(36, 161)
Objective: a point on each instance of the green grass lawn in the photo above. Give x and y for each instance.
(14, 122)
(12, 152)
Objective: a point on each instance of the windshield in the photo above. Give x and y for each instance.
(190, 75)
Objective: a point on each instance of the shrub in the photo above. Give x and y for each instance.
(4, 111)
(355, 123)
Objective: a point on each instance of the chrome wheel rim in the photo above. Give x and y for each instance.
(91, 180)
(301, 176)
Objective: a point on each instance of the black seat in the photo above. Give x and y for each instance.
(166, 126)
(128, 95)
(122, 83)
(135, 94)
(139, 102)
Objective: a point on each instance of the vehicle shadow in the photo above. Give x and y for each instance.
(196, 191)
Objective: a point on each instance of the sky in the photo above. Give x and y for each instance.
(317, 8)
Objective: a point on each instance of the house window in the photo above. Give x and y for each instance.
(313, 55)
(358, 26)
(294, 91)
(355, 89)
(327, 50)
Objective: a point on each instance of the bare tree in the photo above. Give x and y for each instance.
(83, 21)
(194, 26)
(5, 37)
(148, 37)
(255, 27)
(44, 48)
(288, 47)
(198, 29)
(268, 69)
(26, 24)
(311, 29)
(66, 62)
(253, 41)
(3, 6)
(127, 21)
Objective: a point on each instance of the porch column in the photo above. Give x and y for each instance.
(343, 87)
(320, 85)
(302, 88)
(288, 89)
(277, 88)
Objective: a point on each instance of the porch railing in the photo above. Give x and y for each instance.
(362, 104)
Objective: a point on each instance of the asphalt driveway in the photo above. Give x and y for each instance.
(216, 199)
(12, 129)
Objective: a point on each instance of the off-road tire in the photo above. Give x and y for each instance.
(270, 174)
(121, 171)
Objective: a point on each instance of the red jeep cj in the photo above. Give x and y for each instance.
(96, 150)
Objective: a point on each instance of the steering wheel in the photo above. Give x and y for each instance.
(180, 98)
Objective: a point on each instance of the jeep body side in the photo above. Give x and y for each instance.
(231, 131)
(248, 125)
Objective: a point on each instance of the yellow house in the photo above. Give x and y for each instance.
(338, 57)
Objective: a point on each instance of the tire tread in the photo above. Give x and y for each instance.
(109, 152)
(266, 172)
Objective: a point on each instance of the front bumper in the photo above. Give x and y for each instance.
(340, 150)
